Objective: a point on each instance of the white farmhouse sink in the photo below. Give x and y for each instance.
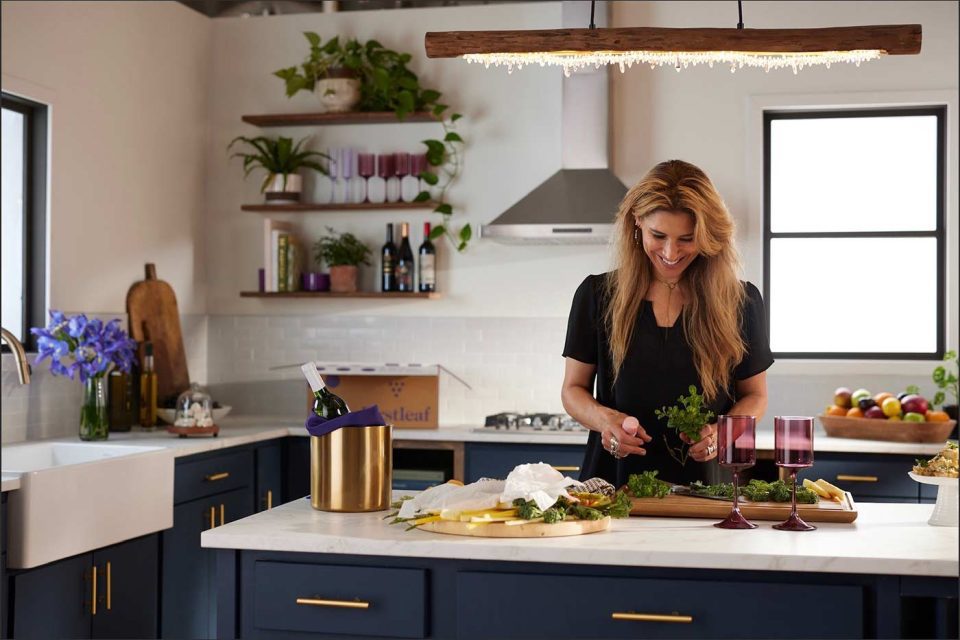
(79, 496)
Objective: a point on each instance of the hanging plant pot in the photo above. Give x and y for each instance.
(343, 278)
(339, 91)
(284, 189)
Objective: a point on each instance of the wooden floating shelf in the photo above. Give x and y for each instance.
(330, 294)
(350, 117)
(353, 206)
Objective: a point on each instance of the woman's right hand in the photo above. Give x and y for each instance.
(626, 429)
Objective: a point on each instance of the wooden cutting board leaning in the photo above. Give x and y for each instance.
(677, 506)
(153, 314)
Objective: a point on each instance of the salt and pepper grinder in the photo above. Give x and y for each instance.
(377, 185)
(393, 179)
(336, 174)
(365, 165)
(410, 183)
(356, 185)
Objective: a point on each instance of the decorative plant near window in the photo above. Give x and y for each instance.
(388, 85)
(278, 157)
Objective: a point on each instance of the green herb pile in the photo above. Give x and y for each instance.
(688, 418)
(646, 485)
(722, 490)
(600, 507)
(777, 491)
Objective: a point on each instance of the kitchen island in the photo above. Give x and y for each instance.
(294, 570)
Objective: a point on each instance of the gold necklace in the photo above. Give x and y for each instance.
(670, 287)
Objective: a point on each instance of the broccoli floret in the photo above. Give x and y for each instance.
(779, 492)
(553, 515)
(527, 509)
(586, 513)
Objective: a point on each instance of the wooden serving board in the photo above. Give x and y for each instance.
(532, 530)
(674, 506)
(153, 314)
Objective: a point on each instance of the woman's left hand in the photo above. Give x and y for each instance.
(706, 447)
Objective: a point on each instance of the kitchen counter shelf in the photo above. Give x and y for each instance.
(350, 117)
(343, 206)
(330, 294)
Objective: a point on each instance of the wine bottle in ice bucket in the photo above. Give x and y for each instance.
(326, 404)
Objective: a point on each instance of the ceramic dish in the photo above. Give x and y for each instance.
(945, 512)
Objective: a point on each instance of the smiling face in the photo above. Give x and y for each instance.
(669, 243)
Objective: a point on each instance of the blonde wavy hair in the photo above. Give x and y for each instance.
(715, 295)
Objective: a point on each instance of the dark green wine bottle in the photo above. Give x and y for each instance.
(326, 403)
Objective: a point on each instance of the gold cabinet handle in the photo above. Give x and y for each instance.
(109, 586)
(213, 477)
(93, 590)
(222, 516)
(213, 517)
(841, 477)
(269, 498)
(651, 617)
(563, 468)
(343, 604)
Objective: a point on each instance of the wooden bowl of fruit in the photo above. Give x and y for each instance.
(906, 417)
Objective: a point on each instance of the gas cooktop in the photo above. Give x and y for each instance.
(546, 423)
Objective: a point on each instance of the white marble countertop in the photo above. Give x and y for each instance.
(887, 539)
(9, 482)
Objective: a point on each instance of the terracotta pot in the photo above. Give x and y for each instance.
(343, 278)
(284, 189)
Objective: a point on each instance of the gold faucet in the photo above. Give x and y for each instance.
(23, 367)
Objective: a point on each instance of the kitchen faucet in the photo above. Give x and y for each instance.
(23, 367)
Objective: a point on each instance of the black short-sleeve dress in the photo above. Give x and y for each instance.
(658, 368)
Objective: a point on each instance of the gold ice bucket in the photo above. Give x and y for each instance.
(351, 469)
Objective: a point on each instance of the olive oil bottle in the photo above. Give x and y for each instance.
(148, 390)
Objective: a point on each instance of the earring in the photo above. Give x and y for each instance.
(636, 235)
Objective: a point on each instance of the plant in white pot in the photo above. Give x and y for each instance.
(281, 159)
(331, 71)
(343, 253)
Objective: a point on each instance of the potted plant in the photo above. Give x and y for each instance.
(330, 70)
(281, 159)
(343, 253)
(946, 380)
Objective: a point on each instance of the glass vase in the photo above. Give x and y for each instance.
(94, 413)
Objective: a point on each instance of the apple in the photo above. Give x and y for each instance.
(914, 404)
(913, 417)
(875, 413)
(866, 403)
(841, 397)
(859, 393)
(891, 407)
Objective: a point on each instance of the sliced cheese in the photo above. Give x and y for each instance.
(817, 489)
(833, 490)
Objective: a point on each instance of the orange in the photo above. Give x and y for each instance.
(855, 413)
(937, 416)
(880, 397)
(834, 410)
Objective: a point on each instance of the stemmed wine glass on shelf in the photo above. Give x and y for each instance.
(737, 451)
(793, 442)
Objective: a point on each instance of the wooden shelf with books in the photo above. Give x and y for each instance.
(348, 117)
(343, 206)
(330, 294)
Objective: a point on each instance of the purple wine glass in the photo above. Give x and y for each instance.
(736, 439)
(793, 442)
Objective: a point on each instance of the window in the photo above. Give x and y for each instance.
(23, 234)
(854, 233)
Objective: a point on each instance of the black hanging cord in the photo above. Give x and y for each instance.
(593, 4)
(740, 12)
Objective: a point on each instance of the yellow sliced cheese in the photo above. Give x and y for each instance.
(424, 520)
(835, 491)
(817, 489)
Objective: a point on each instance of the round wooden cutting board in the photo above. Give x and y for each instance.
(532, 530)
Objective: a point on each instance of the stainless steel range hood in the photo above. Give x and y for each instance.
(577, 204)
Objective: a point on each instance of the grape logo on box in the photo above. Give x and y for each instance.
(396, 388)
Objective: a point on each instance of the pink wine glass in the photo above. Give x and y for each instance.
(793, 442)
(736, 437)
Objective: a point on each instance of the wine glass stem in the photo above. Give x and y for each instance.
(793, 492)
(736, 492)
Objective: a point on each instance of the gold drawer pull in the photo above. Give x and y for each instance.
(223, 518)
(563, 468)
(841, 477)
(344, 604)
(213, 517)
(651, 617)
(93, 603)
(109, 586)
(223, 475)
(269, 498)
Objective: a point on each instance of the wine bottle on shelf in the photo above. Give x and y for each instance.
(427, 276)
(404, 269)
(388, 259)
(326, 403)
(148, 389)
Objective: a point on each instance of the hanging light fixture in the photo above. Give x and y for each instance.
(574, 49)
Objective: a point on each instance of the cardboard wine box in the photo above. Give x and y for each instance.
(407, 395)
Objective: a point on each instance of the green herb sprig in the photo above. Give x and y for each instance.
(946, 380)
(687, 418)
(646, 485)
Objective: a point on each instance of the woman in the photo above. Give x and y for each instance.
(671, 314)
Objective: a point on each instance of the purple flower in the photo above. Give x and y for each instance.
(88, 348)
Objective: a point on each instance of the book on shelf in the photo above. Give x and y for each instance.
(271, 233)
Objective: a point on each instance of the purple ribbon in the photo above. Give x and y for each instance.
(367, 417)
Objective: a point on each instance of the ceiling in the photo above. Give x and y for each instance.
(251, 8)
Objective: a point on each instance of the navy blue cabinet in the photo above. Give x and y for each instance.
(269, 485)
(4, 630)
(209, 490)
(110, 593)
(869, 477)
(496, 460)
(297, 473)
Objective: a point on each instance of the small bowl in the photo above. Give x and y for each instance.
(170, 415)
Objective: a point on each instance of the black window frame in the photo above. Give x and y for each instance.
(35, 120)
(939, 233)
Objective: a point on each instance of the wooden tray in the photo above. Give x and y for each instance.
(889, 430)
(532, 530)
(690, 507)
